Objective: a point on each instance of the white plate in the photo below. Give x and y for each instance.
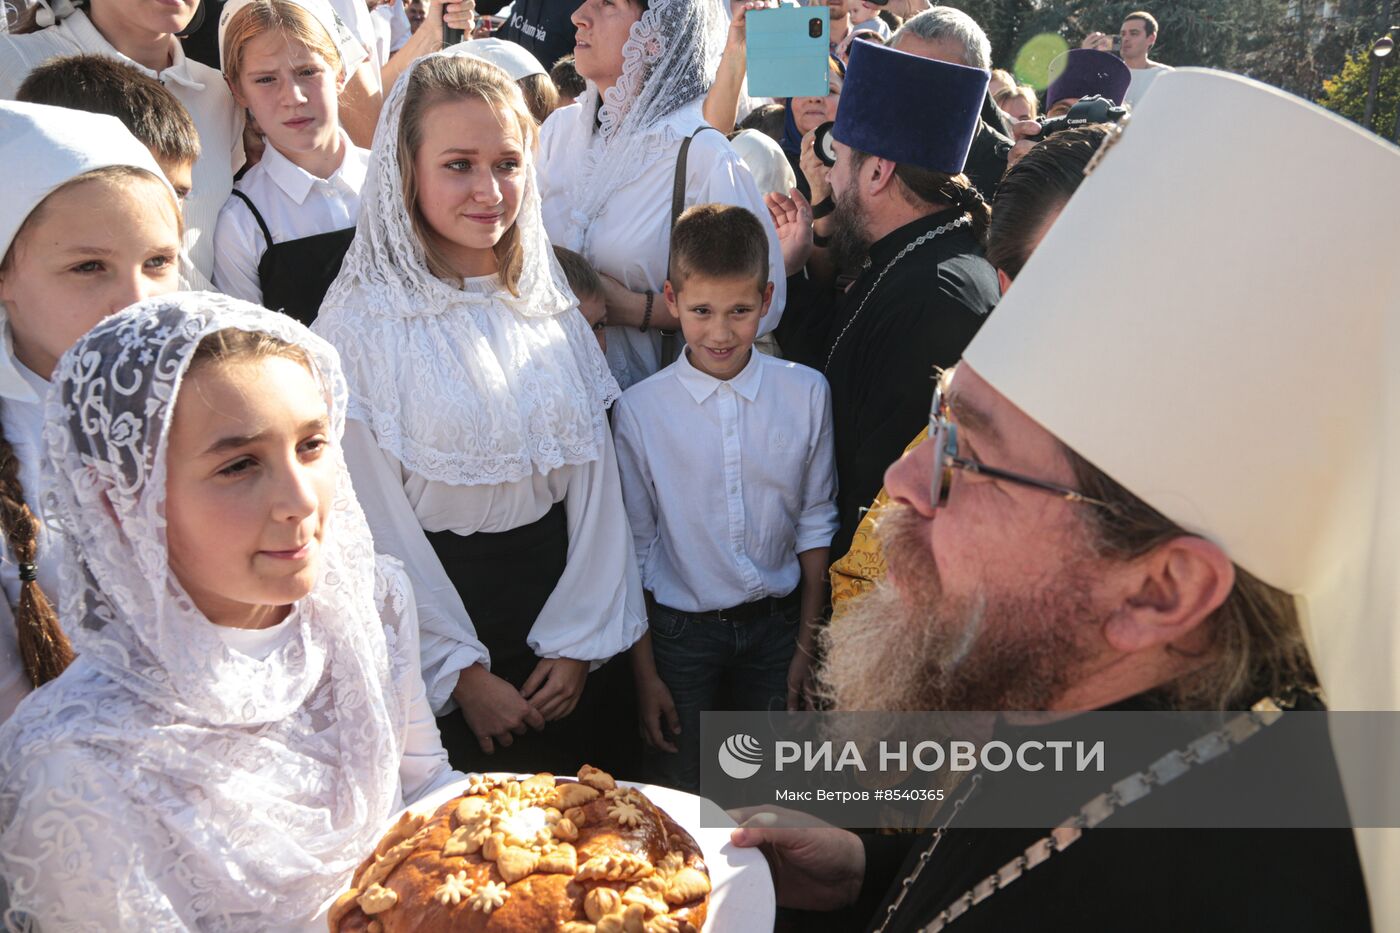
(741, 895)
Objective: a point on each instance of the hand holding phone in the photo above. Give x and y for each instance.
(738, 21)
(788, 49)
(1100, 41)
(458, 19)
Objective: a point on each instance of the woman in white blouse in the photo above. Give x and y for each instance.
(478, 438)
(608, 162)
(245, 713)
(143, 35)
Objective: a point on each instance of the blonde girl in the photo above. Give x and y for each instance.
(478, 435)
(285, 229)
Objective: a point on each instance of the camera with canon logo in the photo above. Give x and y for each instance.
(1085, 112)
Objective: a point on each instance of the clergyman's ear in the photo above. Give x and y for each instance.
(1169, 593)
(881, 174)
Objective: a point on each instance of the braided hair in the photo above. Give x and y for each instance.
(42, 645)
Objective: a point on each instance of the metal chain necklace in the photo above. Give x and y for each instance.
(1131, 789)
(962, 221)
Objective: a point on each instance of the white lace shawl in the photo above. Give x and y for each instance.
(669, 60)
(466, 386)
(241, 791)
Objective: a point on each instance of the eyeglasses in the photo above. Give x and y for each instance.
(944, 435)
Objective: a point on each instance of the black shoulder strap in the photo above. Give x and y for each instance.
(669, 349)
(262, 225)
(678, 189)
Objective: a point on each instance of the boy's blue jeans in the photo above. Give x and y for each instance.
(711, 665)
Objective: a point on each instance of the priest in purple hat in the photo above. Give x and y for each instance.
(908, 219)
(1082, 73)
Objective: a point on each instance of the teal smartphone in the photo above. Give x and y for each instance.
(788, 50)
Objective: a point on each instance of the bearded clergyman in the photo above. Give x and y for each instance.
(907, 217)
(1187, 501)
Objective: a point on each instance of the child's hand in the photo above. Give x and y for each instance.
(495, 711)
(655, 706)
(799, 681)
(555, 685)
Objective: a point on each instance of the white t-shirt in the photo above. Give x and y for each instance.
(1141, 80)
(631, 236)
(200, 88)
(293, 203)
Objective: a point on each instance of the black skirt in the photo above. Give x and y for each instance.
(504, 579)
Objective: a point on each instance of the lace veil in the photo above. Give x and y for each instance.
(252, 786)
(669, 60)
(469, 385)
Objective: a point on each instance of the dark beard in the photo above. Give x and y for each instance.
(849, 241)
(921, 649)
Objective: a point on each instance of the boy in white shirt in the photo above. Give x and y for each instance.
(729, 480)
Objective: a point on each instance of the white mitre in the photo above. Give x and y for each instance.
(1247, 384)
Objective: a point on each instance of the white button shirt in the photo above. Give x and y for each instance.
(726, 482)
(200, 88)
(293, 203)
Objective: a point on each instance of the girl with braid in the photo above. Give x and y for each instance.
(89, 226)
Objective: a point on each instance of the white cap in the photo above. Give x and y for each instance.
(1247, 384)
(766, 161)
(49, 146)
(352, 51)
(515, 60)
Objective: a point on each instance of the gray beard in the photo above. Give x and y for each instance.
(921, 649)
(849, 241)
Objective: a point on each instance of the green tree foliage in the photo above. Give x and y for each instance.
(1297, 45)
(1345, 92)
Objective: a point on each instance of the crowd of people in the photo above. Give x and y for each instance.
(374, 411)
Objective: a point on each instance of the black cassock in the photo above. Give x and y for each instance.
(922, 316)
(1110, 880)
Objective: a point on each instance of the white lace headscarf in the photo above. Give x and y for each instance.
(465, 385)
(669, 60)
(251, 786)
